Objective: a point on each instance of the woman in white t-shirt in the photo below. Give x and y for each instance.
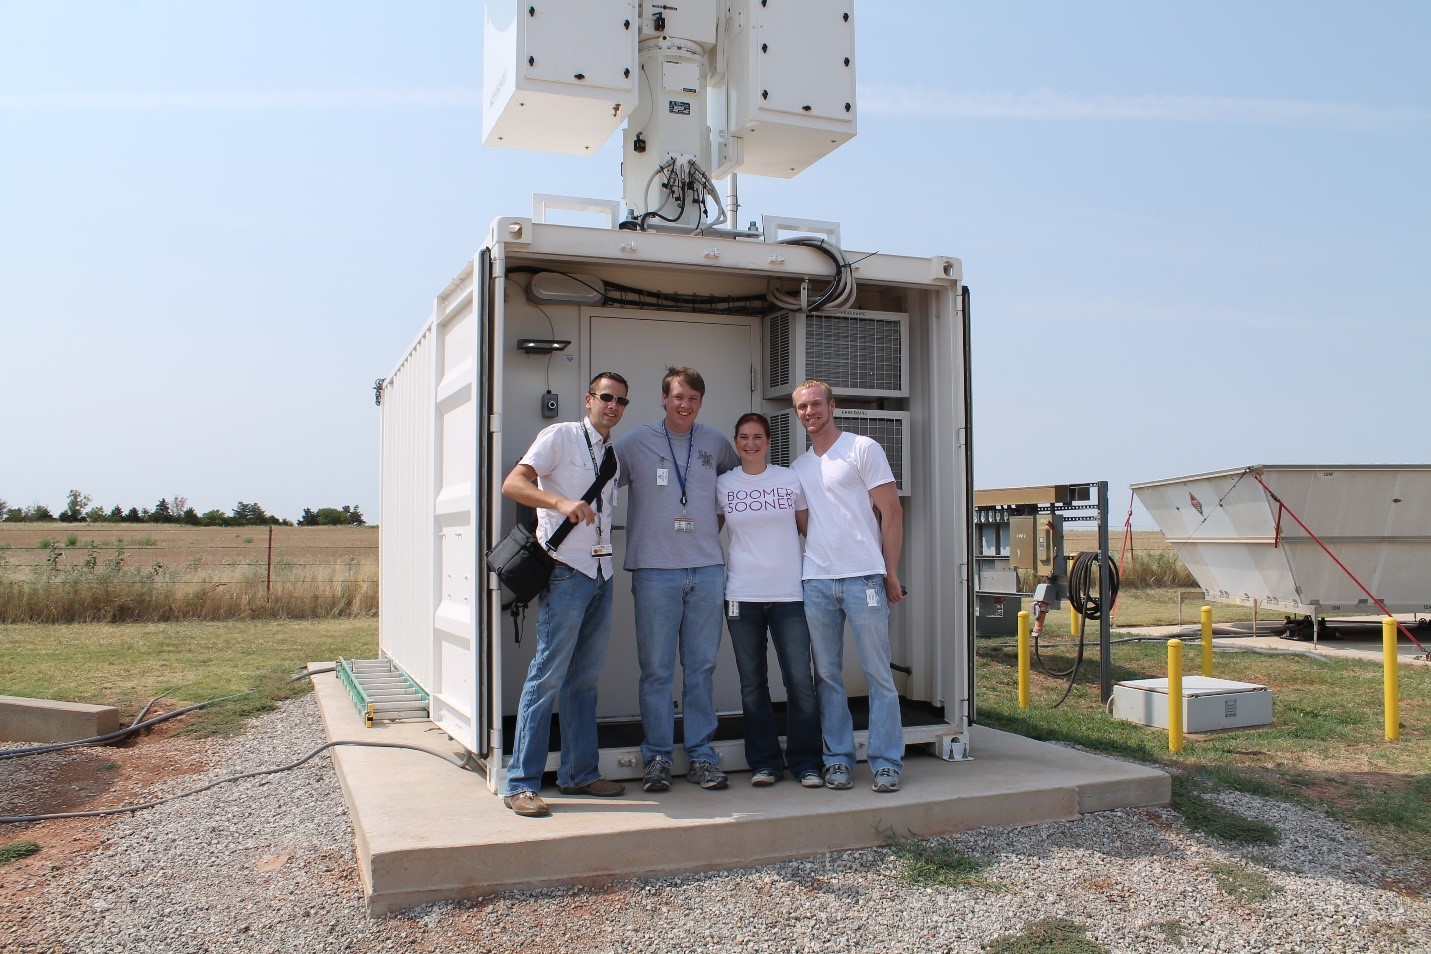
(764, 511)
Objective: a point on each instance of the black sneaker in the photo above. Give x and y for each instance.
(707, 775)
(658, 776)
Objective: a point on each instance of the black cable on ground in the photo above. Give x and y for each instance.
(137, 725)
(24, 819)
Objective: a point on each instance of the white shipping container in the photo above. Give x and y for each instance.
(464, 403)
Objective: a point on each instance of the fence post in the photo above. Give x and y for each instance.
(268, 584)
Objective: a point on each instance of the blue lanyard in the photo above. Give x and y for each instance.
(680, 477)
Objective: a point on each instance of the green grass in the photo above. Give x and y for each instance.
(935, 863)
(1325, 751)
(1241, 882)
(1175, 931)
(1047, 936)
(15, 850)
(1204, 815)
(127, 665)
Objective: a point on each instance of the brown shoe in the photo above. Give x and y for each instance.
(601, 788)
(527, 804)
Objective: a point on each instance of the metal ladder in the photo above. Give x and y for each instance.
(381, 691)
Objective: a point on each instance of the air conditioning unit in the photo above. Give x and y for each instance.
(862, 354)
(788, 439)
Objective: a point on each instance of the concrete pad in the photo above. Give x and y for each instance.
(427, 831)
(45, 720)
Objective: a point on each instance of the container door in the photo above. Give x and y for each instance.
(724, 350)
(458, 695)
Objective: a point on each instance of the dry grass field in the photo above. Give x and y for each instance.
(27, 544)
(1143, 541)
(118, 572)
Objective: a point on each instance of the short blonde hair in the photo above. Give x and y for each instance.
(813, 383)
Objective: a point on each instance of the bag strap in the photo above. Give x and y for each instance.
(518, 612)
(603, 477)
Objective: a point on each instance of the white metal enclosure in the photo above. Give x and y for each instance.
(1243, 543)
(464, 403)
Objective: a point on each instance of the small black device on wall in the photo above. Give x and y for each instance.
(549, 405)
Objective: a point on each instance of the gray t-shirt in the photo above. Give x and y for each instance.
(654, 502)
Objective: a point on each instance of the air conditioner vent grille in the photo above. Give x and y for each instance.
(860, 354)
(887, 432)
(779, 352)
(890, 428)
(780, 438)
(855, 353)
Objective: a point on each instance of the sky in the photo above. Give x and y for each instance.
(1196, 235)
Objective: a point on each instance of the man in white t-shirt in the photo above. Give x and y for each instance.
(851, 574)
(574, 614)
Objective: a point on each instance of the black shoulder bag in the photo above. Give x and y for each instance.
(524, 566)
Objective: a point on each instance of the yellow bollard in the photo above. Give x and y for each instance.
(1207, 640)
(1073, 619)
(1175, 695)
(1390, 678)
(1024, 659)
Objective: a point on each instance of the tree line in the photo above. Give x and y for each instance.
(80, 508)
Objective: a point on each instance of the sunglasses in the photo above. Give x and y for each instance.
(605, 397)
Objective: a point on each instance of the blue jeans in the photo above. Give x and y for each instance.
(573, 628)
(786, 625)
(678, 610)
(828, 605)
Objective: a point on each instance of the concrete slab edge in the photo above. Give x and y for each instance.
(752, 843)
(49, 720)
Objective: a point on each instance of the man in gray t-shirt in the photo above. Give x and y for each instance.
(677, 574)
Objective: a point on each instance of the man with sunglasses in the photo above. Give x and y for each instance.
(677, 575)
(574, 614)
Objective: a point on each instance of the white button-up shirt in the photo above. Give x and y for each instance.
(563, 463)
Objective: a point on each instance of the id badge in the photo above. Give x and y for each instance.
(685, 525)
(601, 550)
(663, 477)
(871, 597)
(732, 609)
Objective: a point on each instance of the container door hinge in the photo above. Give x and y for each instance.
(494, 424)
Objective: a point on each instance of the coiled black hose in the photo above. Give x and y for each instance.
(1083, 594)
(1083, 585)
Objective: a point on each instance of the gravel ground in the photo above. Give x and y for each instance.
(267, 865)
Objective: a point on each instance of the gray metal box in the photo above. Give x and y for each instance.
(1208, 704)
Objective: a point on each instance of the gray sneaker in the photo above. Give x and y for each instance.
(811, 779)
(658, 776)
(838, 777)
(707, 775)
(886, 780)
